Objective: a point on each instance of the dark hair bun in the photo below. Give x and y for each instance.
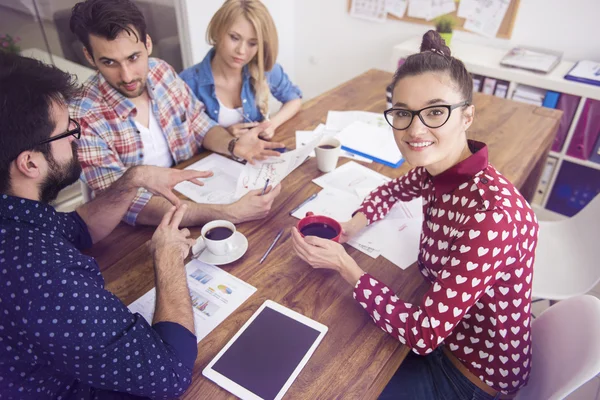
(432, 41)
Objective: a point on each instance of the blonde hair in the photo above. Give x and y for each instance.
(268, 43)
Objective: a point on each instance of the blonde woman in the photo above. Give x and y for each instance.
(237, 75)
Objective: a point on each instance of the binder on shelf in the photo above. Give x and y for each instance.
(596, 153)
(501, 89)
(585, 71)
(540, 193)
(477, 83)
(551, 99)
(529, 94)
(575, 186)
(587, 131)
(568, 104)
(489, 84)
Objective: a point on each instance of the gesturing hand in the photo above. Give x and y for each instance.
(168, 238)
(242, 128)
(251, 147)
(161, 181)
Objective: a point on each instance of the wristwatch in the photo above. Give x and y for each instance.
(231, 147)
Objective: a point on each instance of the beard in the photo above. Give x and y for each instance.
(131, 95)
(59, 176)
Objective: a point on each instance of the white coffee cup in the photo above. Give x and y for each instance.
(219, 247)
(327, 158)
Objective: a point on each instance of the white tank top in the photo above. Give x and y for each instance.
(229, 116)
(156, 147)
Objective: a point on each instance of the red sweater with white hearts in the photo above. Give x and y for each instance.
(477, 249)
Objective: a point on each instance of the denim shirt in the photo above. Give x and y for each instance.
(200, 79)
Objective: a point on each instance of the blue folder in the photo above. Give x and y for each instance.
(575, 78)
(370, 157)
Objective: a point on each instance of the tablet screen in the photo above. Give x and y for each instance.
(267, 353)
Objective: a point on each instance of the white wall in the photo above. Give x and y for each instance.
(331, 47)
(197, 14)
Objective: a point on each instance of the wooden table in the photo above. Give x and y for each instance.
(356, 359)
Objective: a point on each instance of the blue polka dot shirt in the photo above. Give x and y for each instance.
(62, 335)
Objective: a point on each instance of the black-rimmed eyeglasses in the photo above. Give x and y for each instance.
(431, 117)
(75, 132)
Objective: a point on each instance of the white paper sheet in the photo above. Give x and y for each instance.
(420, 9)
(215, 295)
(304, 137)
(219, 188)
(332, 203)
(441, 7)
(353, 179)
(396, 237)
(372, 10)
(487, 17)
(396, 7)
(371, 140)
(338, 120)
(466, 8)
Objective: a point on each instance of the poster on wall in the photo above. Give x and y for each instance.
(371, 10)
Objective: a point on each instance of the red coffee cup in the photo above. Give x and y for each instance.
(322, 223)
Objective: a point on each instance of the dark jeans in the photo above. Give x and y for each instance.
(431, 377)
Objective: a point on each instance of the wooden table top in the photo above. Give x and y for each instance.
(355, 359)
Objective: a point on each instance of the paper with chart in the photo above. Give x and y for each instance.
(372, 10)
(219, 188)
(487, 17)
(215, 295)
(466, 8)
(338, 120)
(441, 7)
(420, 9)
(304, 137)
(275, 169)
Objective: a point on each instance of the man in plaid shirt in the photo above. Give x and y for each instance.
(136, 111)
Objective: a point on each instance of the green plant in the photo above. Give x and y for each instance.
(8, 44)
(445, 23)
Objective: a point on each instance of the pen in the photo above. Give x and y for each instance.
(271, 247)
(311, 198)
(265, 188)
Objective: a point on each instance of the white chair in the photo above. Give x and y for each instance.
(86, 192)
(566, 349)
(566, 259)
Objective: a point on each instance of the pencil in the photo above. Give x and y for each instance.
(271, 247)
(303, 203)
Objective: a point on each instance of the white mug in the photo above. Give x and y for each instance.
(327, 158)
(217, 247)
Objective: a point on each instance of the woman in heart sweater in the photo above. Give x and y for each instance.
(471, 331)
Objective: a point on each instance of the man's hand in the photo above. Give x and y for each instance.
(161, 181)
(168, 240)
(250, 147)
(240, 129)
(253, 206)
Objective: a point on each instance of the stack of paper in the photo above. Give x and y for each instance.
(529, 95)
(396, 237)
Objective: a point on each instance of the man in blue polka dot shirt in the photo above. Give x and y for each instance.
(62, 335)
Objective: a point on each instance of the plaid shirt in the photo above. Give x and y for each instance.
(110, 141)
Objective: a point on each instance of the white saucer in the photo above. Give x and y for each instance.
(240, 246)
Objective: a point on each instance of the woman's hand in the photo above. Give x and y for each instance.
(238, 130)
(352, 227)
(327, 254)
(268, 133)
